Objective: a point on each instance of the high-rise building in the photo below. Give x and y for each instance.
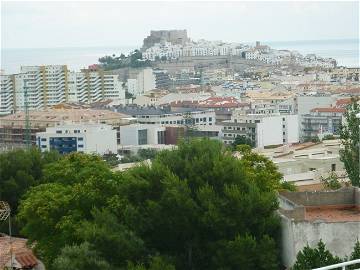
(55, 84)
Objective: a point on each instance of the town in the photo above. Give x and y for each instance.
(181, 103)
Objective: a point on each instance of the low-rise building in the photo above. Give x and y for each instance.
(87, 138)
(308, 217)
(13, 127)
(142, 134)
(166, 117)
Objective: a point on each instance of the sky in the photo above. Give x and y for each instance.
(90, 24)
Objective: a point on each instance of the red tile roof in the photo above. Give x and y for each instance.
(23, 254)
(331, 109)
(343, 102)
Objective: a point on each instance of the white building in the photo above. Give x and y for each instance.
(145, 81)
(263, 130)
(87, 138)
(54, 84)
(141, 134)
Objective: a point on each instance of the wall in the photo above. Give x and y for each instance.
(292, 128)
(269, 131)
(339, 237)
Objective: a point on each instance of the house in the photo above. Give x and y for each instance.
(22, 255)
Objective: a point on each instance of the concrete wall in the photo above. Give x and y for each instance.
(337, 197)
(339, 237)
(269, 131)
(292, 128)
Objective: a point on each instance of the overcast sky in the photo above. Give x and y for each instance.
(79, 24)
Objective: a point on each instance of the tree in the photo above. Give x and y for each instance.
(328, 137)
(19, 171)
(355, 255)
(189, 210)
(242, 140)
(212, 194)
(310, 258)
(331, 182)
(52, 213)
(349, 134)
(80, 257)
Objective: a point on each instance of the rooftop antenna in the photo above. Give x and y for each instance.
(5, 212)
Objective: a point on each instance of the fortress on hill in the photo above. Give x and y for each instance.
(173, 36)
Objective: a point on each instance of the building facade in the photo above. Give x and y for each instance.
(51, 85)
(263, 130)
(321, 121)
(87, 138)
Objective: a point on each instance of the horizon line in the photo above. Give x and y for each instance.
(135, 46)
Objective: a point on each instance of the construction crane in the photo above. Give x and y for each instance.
(27, 117)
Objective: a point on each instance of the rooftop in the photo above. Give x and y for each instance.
(60, 115)
(342, 205)
(23, 255)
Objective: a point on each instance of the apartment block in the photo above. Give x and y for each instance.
(263, 130)
(321, 121)
(55, 84)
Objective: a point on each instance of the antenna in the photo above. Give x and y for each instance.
(5, 212)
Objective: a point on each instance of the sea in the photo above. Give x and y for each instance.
(345, 51)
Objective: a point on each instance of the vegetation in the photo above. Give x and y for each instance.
(240, 140)
(329, 137)
(190, 209)
(133, 60)
(349, 135)
(143, 154)
(314, 139)
(331, 182)
(310, 258)
(20, 170)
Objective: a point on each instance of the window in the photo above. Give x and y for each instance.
(257, 121)
(43, 146)
(210, 119)
(284, 133)
(80, 145)
(59, 131)
(43, 139)
(333, 167)
(80, 139)
(283, 126)
(283, 119)
(142, 136)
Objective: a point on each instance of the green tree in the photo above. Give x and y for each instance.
(52, 213)
(189, 210)
(355, 255)
(310, 258)
(212, 194)
(349, 134)
(331, 182)
(19, 171)
(328, 137)
(80, 257)
(239, 140)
